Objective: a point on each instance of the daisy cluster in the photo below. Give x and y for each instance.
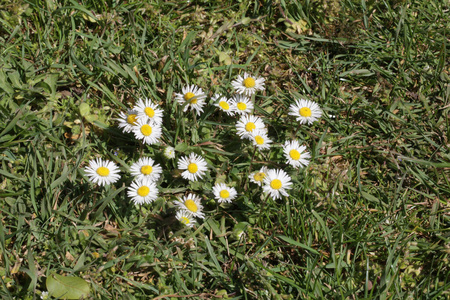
(145, 122)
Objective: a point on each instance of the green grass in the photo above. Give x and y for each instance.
(369, 218)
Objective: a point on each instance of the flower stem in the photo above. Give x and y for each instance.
(262, 207)
(296, 131)
(249, 169)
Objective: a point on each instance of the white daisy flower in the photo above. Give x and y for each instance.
(276, 183)
(185, 217)
(146, 168)
(295, 154)
(195, 167)
(223, 104)
(258, 176)
(247, 124)
(194, 98)
(224, 193)
(149, 111)
(148, 133)
(102, 172)
(192, 204)
(44, 296)
(260, 139)
(127, 121)
(306, 111)
(241, 104)
(247, 84)
(142, 191)
(169, 152)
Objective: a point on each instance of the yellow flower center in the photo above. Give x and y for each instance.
(131, 119)
(143, 191)
(146, 170)
(224, 105)
(250, 126)
(276, 184)
(259, 140)
(190, 97)
(192, 168)
(249, 82)
(294, 154)
(146, 129)
(242, 106)
(305, 112)
(259, 176)
(149, 112)
(103, 171)
(190, 204)
(185, 220)
(224, 194)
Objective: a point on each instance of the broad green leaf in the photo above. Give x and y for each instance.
(246, 20)
(225, 58)
(91, 118)
(67, 287)
(181, 147)
(51, 80)
(84, 109)
(4, 84)
(14, 77)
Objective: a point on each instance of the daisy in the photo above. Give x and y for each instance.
(142, 191)
(276, 183)
(247, 124)
(149, 133)
(149, 111)
(258, 176)
(127, 121)
(146, 168)
(224, 193)
(223, 104)
(185, 217)
(194, 98)
(169, 152)
(260, 139)
(241, 104)
(306, 111)
(195, 167)
(191, 203)
(247, 84)
(44, 296)
(102, 172)
(295, 155)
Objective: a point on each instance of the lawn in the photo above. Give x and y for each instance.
(366, 217)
